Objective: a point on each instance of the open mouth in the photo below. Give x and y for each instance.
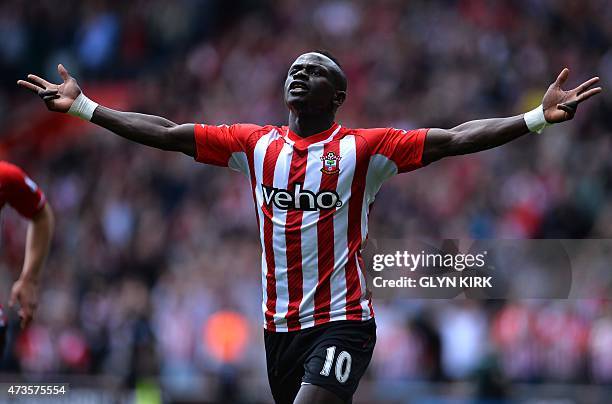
(298, 87)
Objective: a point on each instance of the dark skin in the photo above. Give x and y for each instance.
(312, 110)
(314, 89)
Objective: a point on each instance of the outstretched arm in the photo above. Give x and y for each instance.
(470, 137)
(25, 289)
(149, 130)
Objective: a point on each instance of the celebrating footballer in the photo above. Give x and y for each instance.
(313, 183)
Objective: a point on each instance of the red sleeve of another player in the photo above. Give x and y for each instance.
(216, 144)
(403, 147)
(22, 193)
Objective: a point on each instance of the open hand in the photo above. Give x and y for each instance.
(57, 97)
(26, 293)
(560, 105)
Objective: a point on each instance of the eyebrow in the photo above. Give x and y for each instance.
(298, 65)
(329, 72)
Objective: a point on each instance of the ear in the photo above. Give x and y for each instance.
(339, 98)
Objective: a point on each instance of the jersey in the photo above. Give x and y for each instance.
(312, 197)
(19, 191)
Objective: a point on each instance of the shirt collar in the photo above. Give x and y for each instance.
(316, 138)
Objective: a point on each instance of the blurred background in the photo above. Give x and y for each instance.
(152, 289)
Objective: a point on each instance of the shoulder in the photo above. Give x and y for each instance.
(368, 137)
(14, 179)
(237, 130)
(252, 134)
(10, 173)
(388, 135)
(267, 129)
(366, 132)
(255, 133)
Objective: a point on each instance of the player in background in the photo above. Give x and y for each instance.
(23, 195)
(313, 183)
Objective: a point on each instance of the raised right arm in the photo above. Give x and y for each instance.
(149, 130)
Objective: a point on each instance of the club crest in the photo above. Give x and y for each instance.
(331, 163)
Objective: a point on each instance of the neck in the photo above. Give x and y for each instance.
(307, 125)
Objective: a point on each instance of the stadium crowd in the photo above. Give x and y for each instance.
(150, 246)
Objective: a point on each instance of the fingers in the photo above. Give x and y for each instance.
(588, 94)
(50, 98)
(562, 77)
(38, 85)
(569, 108)
(27, 306)
(581, 88)
(45, 93)
(25, 318)
(26, 314)
(35, 83)
(48, 95)
(63, 72)
(39, 81)
(26, 84)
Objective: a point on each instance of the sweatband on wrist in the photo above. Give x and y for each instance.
(535, 119)
(82, 107)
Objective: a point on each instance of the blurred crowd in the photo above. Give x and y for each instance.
(150, 247)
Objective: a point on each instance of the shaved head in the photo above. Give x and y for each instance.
(315, 84)
(332, 63)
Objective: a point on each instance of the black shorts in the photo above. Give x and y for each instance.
(333, 355)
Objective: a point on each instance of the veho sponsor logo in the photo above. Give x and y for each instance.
(301, 198)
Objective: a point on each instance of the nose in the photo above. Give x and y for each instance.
(301, 74)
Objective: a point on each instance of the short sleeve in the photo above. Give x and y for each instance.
(403, 147)
(393, 151)
(223, 145)
(21, 192)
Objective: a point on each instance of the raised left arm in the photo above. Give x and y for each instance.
(558, 105)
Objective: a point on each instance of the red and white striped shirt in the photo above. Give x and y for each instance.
(312, 197)
(19, 191)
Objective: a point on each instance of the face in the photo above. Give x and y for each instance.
(310, 85)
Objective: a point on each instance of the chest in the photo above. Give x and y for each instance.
(316, 177)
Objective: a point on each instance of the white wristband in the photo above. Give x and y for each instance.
(82, 107)
(535, 119)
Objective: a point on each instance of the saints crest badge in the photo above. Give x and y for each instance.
(331, 163)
